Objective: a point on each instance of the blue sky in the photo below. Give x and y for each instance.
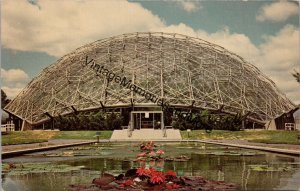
(37, 33)
(238, 16)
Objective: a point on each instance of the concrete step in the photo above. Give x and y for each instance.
(146, 134)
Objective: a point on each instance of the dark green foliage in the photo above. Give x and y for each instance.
(90, 121)
(297, 76)
(113, 121)
(4, 100)
(208, 121)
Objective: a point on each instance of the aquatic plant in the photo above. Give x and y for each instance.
(30, 168)
(148, 177)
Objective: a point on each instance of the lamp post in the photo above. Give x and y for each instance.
(98, 135)
(188, 132)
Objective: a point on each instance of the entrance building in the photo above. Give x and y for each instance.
(146, 118)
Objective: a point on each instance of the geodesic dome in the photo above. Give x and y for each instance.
(296, 115)
(182, 70)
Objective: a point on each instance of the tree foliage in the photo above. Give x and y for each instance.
(297, 76)
(92, 121)
(209, 121)
(4, 99)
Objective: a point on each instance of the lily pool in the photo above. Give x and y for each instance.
(57, 169)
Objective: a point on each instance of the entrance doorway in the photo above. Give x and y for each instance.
(146, 119)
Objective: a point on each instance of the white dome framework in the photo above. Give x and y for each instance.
(179, 69)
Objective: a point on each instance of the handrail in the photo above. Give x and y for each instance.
(289, 126)
(8, 127)
(129, 131)
(164, 131)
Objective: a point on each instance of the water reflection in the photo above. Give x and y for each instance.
(12, 185)
(118, 159)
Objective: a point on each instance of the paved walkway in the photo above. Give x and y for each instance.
(282, 148)
(245, 142)
(53, 142)
(58, 143)
(146, 134)
(15, 150)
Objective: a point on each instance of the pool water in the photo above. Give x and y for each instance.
(251, 170)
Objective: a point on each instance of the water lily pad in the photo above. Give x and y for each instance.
(185, 147)
(181, 158)
(229, 153)
(28, 168)
(65, 154)
(266, 168)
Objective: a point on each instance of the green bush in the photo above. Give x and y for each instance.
(91, 121)
(207, 120)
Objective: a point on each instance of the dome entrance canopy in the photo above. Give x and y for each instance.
(181, 70)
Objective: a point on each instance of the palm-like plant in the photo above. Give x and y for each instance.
(297, 76)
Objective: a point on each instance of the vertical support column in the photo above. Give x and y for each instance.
(19, 123)
(140, 120)
(52, 124)
(133, 81)
(243, 120)
(243, 124)
(26, 126)
(153, 125)
(131, 120)
(162, 125)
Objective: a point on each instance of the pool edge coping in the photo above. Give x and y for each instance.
(10, 154)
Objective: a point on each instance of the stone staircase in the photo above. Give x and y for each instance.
(146, 134)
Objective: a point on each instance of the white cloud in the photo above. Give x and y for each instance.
(189, 6)
(27, 29)
(57, 30)
(223, 38)
(278, 11)
(12, 92)
(14, 75)
(279, 56)
(14, 80)
(59, 27)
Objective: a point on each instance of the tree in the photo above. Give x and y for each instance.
(297, 76)
(4, 100)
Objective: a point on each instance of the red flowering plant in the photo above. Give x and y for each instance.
(128, 182)
(172, 186)
(153, 158)
(150, 176)
(149, 152)
(153, 176)
(157, 177)
(160, 152)
(142, 154)
(147, 146)
(152, 154)
(170, 175)
(144, 172)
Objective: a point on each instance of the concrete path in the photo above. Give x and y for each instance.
(15, 150)
(140, 135)
(246, 145)
(51, 142)
(246, 142)
(146, 134)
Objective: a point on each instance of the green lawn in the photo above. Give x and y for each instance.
(24, 137)
(263, 136)
(82, 135)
